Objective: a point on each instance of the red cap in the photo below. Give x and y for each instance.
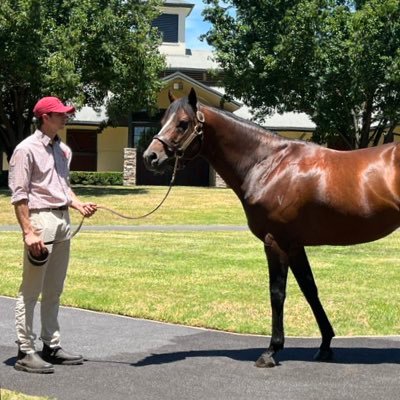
(51, 104)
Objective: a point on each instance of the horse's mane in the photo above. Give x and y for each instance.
(246, 122)
(251, 127)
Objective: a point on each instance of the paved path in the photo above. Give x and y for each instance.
(130, 358)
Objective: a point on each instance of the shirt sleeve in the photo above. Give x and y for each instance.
(19, 175)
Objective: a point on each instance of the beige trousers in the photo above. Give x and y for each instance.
(47, 280)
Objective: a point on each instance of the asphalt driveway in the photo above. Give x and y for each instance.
(130, 358)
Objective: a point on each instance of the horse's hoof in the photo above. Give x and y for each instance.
(324, 355)
(265, 361)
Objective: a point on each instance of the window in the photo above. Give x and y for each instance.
(143, 135)
(84, 149)
(167, 24)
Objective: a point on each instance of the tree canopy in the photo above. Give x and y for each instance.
(336, 60)
(77, 50)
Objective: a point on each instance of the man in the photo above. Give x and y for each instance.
(41, 195)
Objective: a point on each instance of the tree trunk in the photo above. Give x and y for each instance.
(366, 124)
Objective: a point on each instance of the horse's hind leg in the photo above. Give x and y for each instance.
(278, 270)
(302, 271)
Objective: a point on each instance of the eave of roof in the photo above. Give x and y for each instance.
(181, 75)
(197, 59)
(193, 82)
(178, 3)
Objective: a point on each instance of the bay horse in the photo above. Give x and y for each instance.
(294, 194)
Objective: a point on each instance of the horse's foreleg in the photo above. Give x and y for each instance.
(278, 270)
(303, 274)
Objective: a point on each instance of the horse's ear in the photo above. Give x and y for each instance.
(171, 97)
(193, 99)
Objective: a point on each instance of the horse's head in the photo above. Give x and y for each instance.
(180, 135)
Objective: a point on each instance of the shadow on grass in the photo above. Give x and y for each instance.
(4, 191)
(97, 191)
(354, 355)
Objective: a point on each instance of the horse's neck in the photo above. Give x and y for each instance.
(233, 147)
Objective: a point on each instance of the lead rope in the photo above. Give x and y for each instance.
(123, 215)
(155, 209)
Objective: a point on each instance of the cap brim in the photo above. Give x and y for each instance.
(67, 109)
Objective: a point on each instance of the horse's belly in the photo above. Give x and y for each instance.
(321, 224)
(347, 231)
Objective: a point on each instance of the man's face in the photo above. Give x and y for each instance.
(55, 121)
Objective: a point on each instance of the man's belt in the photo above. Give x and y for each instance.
(61, 208)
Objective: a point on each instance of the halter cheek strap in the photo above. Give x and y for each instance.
(180, 148)
(197, 132)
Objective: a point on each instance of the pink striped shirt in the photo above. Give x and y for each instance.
(39, 172)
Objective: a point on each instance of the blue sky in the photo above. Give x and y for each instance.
(195, 26)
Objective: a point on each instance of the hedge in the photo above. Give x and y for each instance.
(96, 178)
(82, 178)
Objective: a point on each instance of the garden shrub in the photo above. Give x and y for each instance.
(96, 178)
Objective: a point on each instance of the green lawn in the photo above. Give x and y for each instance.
(184, 205)
(219, 280)
(10, 395)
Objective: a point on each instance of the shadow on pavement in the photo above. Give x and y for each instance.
(342, 355)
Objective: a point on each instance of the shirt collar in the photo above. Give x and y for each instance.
(45, 139)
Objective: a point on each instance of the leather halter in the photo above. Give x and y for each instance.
(188, 137)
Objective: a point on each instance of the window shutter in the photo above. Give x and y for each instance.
(167, 24)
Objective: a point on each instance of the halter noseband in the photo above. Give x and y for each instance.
(179, 148)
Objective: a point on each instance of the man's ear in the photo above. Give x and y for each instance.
(192, 98)
(171, 97)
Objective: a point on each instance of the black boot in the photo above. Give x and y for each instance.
(57, 355)
(32, 362)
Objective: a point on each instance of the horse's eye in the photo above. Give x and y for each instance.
(183, 125)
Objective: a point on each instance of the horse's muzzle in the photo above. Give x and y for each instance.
(155, 161)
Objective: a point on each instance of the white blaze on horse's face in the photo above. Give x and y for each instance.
(155, 157)
(166, 126)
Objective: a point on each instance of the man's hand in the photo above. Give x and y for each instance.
(86, 209)
(31, 238)
(35, 243)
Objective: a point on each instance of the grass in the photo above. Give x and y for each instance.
(10, 395)
(219, 280)
(184, 205)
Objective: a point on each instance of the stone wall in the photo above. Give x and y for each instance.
(219, 182)
(129, 166)
(215, 180)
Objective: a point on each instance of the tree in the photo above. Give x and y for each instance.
(77, 50)
(336, 60)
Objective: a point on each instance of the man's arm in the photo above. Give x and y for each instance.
(86, 209)
(31, 238)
